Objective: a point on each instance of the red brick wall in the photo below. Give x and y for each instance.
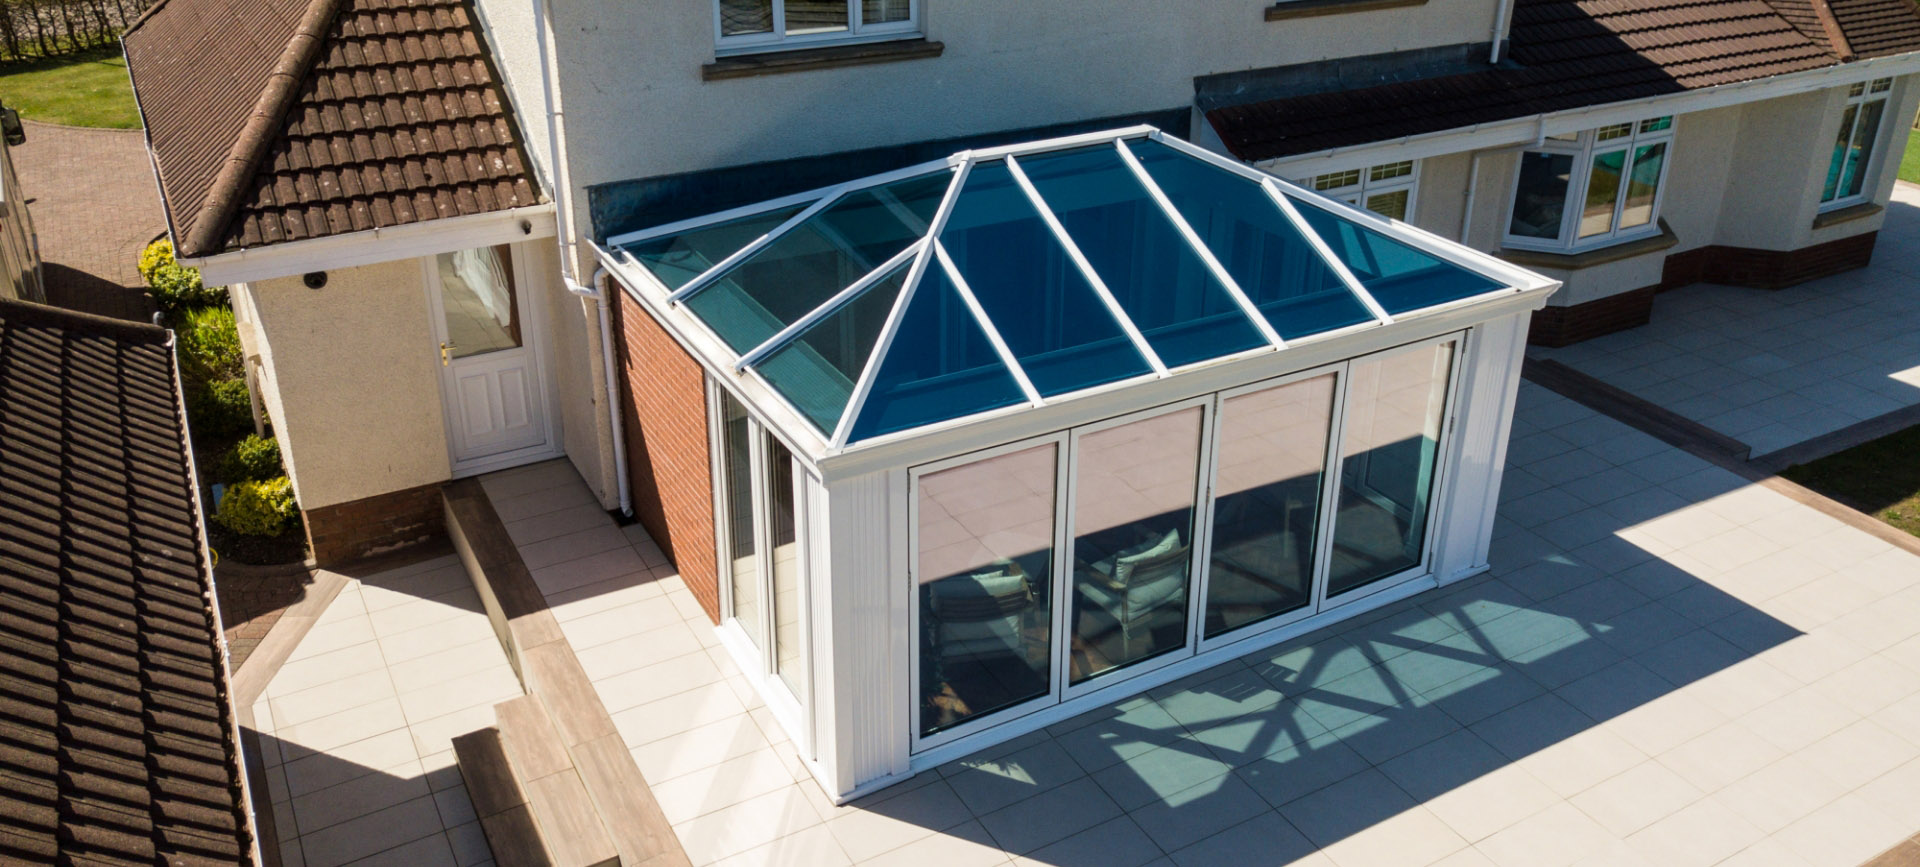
(1729, 266)
(665, 410)
(345, 532)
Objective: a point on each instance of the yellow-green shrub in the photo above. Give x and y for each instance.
(263, 508)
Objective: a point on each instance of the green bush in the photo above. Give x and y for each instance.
(253, 459)
(209, 345)
(219, 410)
(259, 508)
(175, 286)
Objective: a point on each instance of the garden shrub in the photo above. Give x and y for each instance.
(252, 459)
(209, 345)
(259, 508)
(219, 410)
(175, 286)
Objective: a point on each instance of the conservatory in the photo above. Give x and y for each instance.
(1010, 436)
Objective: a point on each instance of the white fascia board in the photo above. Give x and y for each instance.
(411, 241)
(1022, 422)
(713, 355)
(1531, 128)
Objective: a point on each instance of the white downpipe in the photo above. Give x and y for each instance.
(561, 182)
(1473, 186)
(597, 290)
(1502, 20)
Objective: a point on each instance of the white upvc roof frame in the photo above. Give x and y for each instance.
(926, 252)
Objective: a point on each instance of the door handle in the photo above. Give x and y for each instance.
(445, 352)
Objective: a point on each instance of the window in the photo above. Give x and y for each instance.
(1853, 143)
(760, 527)
(1048, 569)
(1592, 188)
(1385, 189)
(762, 24)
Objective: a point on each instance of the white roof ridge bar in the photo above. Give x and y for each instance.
(986, 324)
(749, 210)
(1326, 252)
(1199, 246)
(1063, 142)
(858, 400)
(827, 308)
(1086, 267)
(707, 277)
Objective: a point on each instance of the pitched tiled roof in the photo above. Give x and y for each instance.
(115, 735)
(1573, 53)
(369, 113)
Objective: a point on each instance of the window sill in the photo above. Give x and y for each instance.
(829, 57)
(1847, 214)
(1590, 258)
(1289, 9)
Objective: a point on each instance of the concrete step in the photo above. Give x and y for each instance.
(532, 804)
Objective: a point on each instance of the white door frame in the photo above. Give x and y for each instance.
(533, 334)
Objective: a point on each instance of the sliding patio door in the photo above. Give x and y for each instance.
(760, 528)
(1050, 569)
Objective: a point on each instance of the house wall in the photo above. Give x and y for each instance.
(668, 463)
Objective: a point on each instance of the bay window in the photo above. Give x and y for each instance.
(776, 24)
(1853, 143)
(1385, 189)
(1591, 188)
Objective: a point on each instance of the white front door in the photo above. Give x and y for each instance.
(491, 381)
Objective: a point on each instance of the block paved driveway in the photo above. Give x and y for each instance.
(1667, 666)
(95, 206)
(1776, 368)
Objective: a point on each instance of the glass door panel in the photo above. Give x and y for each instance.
(479, 300)
(1270, 462)
(784, 559)
(1133, 549)
(984, 573)
(1390, 449)
(736, 468)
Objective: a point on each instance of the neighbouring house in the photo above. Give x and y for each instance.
(20, 273)
(437, 217)
(118, 741)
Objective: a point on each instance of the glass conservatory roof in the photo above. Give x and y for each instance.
(1017, 276)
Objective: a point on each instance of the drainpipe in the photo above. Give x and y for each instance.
(1473, 186)
(563, 227)
(1502, 20)
(597, 290)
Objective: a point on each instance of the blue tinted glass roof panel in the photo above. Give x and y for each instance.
(1396, 274)
(813, 261)
(1051, 319)
(1164, 286)
(1261, 249)
(677, 259)
(939, 367)
(816, 372)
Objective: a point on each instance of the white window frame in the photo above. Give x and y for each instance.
(1323, 608)
(1866, 94)
(1584, 147)
(779, 40)
(1366, 186)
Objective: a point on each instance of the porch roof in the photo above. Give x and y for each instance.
(1024, 276)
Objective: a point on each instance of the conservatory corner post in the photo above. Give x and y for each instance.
(1489, 385)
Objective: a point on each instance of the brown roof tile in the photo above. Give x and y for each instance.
(398, 107)
(115, 734)
(1574, 53)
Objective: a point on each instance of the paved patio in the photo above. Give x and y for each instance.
(1667, 666)
(1773, 369)
(357, 726)
(95, 207)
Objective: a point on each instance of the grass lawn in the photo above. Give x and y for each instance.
(88, 89)
(1910, 161)
(1881, 478)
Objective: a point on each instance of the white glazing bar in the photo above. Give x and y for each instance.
(1340, 268)
(826, 308)
(1063, 142)
(1086, 268)
(706, 277)
(986, 324)
(1199, 246)
(717, 217)
(858, 400)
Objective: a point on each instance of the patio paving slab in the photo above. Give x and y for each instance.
(1626, 689)
(1774, 369)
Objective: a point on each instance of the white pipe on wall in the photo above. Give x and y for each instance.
(1502, 20)
(560, 180)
